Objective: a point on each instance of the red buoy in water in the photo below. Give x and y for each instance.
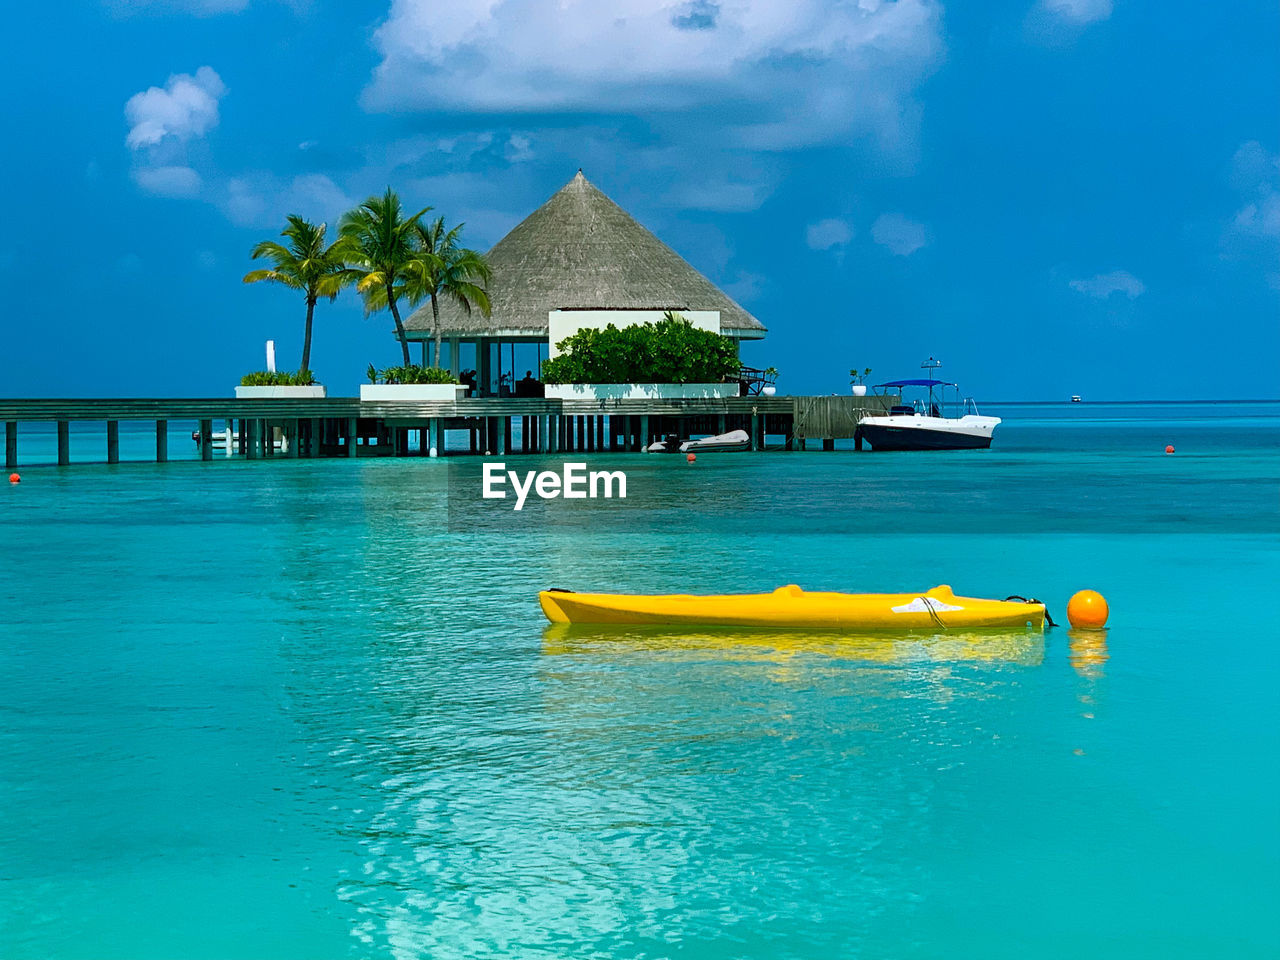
(691, 457)
(1169, 448)
(14, 478)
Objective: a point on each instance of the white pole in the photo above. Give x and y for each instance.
(271, 356)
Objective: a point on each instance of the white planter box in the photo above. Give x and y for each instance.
(280, 393)
(412, 392)
(641, 391)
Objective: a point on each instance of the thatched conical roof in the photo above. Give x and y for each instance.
(580, 250)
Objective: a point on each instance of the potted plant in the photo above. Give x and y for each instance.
(411, 383)
(858, 381)
(770, 388)
(279, 385)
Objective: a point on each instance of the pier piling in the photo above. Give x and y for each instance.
(162, 441)
(64, 443)
(113, 441)
(10, 444)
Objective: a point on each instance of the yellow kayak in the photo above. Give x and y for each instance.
(790, 606)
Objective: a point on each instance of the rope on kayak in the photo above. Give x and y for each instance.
(1047, 618)
(928, 605)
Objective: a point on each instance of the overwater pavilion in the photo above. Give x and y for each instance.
(579, 260)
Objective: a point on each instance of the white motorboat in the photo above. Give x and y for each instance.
(721, 443)
(923, 423)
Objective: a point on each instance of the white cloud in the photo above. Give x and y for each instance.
(1105, 285)
(719, 194)
(899, 234)
(519, 148)
(170, 181)
(263, 200)
(185, 108)
(769, 73)
(1255, 172)
(1078, 11)
(1261, 219)
(745, 286)
(828, 233)
(1253, 232)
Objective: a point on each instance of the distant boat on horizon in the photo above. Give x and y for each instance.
(1075, 398)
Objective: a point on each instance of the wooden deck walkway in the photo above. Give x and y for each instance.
(335, 426)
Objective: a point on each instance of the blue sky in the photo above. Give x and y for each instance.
(1053, 196)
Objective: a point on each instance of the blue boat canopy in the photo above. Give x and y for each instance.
(916, 383)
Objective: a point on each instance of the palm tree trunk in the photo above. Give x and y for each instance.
(435, 313)
(395, 313)
(306, 337)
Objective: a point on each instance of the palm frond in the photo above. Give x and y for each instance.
(273, 251)
(468, 295)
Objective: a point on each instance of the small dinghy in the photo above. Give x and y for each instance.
(722, 443)
(219, 440)
(790, 606)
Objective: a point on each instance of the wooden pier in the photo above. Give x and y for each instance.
(348, 427)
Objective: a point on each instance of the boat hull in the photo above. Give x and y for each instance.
(793, 607)
(723, 443)
(914, 438)
(928, 433)
(733, 446)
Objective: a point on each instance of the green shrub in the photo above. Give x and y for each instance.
(413, 373)
(280, 378)
(672, 350)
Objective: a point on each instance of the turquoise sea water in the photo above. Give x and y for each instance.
(305, 709)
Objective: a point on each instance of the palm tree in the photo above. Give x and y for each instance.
(444, 268)
(378, 245)
(306, 264)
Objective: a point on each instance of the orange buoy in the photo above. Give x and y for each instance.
(691, 457)
(1169, 448)
(1088, 609)
(14, 478)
